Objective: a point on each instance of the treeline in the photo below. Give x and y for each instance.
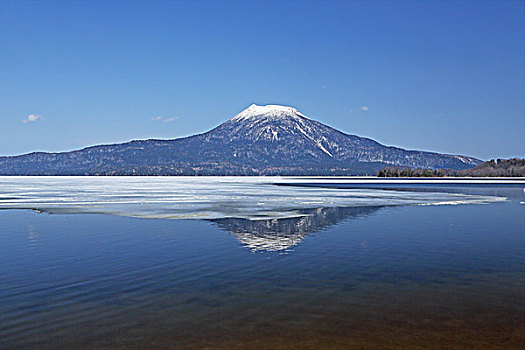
(414, 172)
(493, 168)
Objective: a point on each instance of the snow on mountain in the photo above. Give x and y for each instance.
(273, 123)
(268, 111)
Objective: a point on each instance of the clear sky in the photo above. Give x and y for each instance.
(440, 76)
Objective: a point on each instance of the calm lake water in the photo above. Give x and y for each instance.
(242, 263)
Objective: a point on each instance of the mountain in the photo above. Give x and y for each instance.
(261, 140)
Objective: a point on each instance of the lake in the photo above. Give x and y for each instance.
(250, 263)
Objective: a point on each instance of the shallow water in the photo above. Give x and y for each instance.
(375, 275)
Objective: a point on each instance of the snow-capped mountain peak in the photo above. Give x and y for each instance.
(275, 123)
(267, 111)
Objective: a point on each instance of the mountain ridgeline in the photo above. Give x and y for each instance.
(261, 140)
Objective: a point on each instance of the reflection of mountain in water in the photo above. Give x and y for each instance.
(280, 234)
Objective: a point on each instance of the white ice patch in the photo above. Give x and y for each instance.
(252, 198)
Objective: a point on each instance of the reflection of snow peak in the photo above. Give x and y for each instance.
(269, 243)
(253, 198)
(281, 234)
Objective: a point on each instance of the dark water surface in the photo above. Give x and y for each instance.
(423, 277)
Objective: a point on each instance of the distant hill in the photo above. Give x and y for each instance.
(501, 167)
(261, 140)
(494, 168)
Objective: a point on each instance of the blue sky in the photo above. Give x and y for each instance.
(440, 76)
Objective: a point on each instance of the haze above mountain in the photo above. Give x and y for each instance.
(261, 140)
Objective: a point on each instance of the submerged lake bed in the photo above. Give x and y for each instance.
(143, 262)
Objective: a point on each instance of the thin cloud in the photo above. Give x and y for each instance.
(31, 118)
(364, 108)
(163, 119)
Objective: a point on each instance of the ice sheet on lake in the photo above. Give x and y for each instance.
(250, 198)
